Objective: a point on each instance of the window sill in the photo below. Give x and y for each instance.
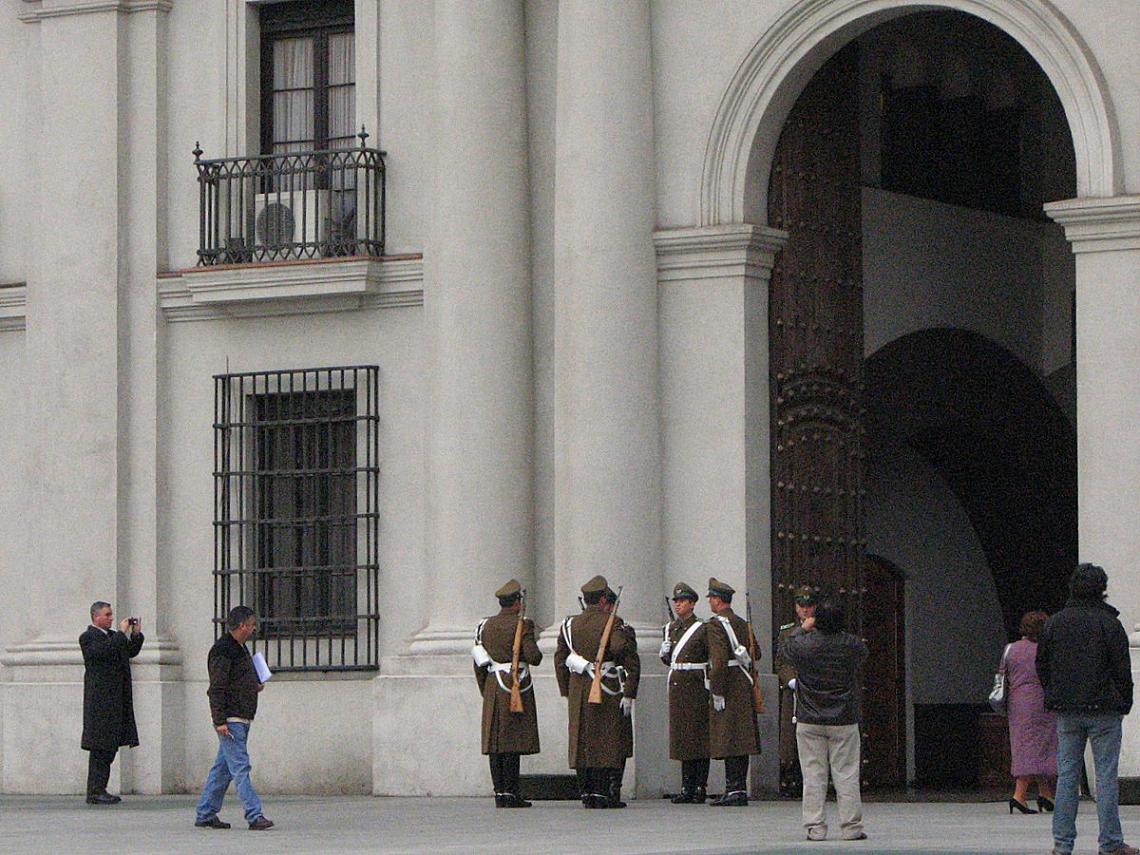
(291, 288)
(13, 306)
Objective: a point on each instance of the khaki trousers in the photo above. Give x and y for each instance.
(834, 748)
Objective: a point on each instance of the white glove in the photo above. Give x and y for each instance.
(792, 684)
(718, 703)
(577, 664)
(741, 656)
(666, 648)
(627, 707)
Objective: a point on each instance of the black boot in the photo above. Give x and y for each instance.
(735, 783)
(590, 786)
(511, 795)
(496, 763)
(700, 780)
(613, 787)
(686, 795)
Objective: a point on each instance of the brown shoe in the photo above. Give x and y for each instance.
(260, 824)
(1122, 849)
(212, 822)
(103, 799)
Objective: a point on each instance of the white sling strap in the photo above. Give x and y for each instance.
(610, 670)
(734, 644)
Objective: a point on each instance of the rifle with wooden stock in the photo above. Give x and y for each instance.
(516, 650)
(757, 695)
(603, 646)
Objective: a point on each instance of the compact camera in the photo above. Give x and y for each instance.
(134, 621)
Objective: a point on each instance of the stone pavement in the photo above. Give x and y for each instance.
(164, 824)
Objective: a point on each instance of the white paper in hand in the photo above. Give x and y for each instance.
(263, 672)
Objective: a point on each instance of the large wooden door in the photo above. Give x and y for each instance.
(816, 346)
(884, 677)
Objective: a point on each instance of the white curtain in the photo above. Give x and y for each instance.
(342, 90)
(293, 95)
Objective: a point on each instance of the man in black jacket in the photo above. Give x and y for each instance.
(1084, 665)
(828, 712)
(234, 686)
(108, 706)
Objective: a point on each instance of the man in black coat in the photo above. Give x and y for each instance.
(1085, 667)
(829, 710)
(108, 708)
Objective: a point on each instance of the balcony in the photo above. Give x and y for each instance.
(296, 205)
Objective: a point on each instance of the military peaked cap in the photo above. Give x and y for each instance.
(509, 590)
(720, 589)
(805, 595)
(681, 591)
(597, 585)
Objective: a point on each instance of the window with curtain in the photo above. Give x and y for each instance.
(308, 82)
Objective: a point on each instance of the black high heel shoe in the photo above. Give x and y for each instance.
(1044, 805)
(1015, 804)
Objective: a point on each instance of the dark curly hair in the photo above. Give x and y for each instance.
(1031, 624)
(1088, 582)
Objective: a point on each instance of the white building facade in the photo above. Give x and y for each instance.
(530, 339)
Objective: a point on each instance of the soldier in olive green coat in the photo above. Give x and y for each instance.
(791, 779)
(732, 723)
(685, 650)
(601, 735)
(506, 734)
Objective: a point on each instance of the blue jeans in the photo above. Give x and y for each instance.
(231, 764)
(1103, 731)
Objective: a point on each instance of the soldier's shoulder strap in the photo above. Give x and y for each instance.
(479, 631)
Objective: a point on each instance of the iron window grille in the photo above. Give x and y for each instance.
(296, 521)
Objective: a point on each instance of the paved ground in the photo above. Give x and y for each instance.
(164, 824)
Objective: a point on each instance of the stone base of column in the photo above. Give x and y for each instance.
(41, 704)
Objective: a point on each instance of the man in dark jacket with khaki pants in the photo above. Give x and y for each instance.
(828, 714)
(1084, 665)
(234, 686)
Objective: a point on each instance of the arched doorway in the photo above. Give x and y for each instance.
(928, 143)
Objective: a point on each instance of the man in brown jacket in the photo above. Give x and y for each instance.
(685, 650)
(791, 779)
(601, 735)
(506, 735)
(732, 723)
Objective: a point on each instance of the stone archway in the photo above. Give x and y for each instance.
(738, 157)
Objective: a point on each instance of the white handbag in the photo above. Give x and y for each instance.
(1000, 692)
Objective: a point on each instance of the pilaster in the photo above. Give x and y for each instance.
(1105, 236)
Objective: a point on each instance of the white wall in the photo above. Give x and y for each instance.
(954, 625)
(927, 265)
(14, 189)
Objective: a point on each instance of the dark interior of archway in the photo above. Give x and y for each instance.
(1000, 441)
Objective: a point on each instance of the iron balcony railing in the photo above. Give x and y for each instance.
(301, 204)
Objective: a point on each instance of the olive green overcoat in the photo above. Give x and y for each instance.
(505, 732)
(732, 731)
(688, 697)
(785, 672)
(599, 735)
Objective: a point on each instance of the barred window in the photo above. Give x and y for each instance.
(296, 513)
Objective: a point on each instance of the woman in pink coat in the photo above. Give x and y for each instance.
(1032, 729)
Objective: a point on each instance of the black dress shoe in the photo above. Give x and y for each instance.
(594, 801)
(1014, 804)
(260, 824)
(103, 799)
(212, 822)
(699, 796)
(514, 800)
(1044, 805)
(682, 798)
(736, 798)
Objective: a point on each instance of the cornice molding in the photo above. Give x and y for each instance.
(716, 252)
(89, 7)
(66, 653)
(291, 288)
(1099, 225)
(13, 307)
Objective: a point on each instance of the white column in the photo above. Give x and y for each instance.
(1105, 235)
(477, 305)
(606, 432)
(72, 386)
(715, 437)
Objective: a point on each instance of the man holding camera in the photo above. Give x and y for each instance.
(108, 707)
